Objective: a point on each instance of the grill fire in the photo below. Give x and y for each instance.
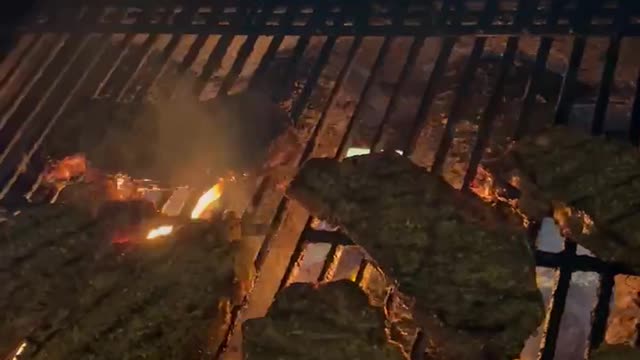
(160, 231)
(205, 201)
(74, 170)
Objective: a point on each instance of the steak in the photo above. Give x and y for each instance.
(471, 273)
(591, 185)
(332, 321)
(73, 293)
(615, 352)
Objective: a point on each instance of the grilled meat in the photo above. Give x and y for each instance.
(615, 352)
(333, 321)
(73, 294)
(472, 275)
(591, 185)
(176, 141)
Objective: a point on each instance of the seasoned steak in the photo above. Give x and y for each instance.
(616, 352)
(471, 274)
(333, 321)
(591, 185)
(74, 294)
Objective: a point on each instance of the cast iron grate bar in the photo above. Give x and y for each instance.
(461, 94)
(298, 106)
(275, 43)
(425, 27)
(567, 92)
(26, 88)
(126, 80)
(601, 311)
(409, 63)
(159, 67)
(245, 50)
(434, 79)
(558, 302)
(489, 114)
(608, 72)
(429, 94)
(28, 51)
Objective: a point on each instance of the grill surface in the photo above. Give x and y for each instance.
(127, 49)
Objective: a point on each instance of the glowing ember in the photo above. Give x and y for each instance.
(206, 200)
(160, 231)
(67, 168)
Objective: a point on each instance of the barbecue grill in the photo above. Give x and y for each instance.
(68, 51)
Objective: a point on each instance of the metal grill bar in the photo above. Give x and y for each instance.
(29, 49)
(434, 79)
(557, 306)
(581, 19)
(533, 84)
(409, 64)
(27, 88)
(273, 47)
(456, 108)
(429, 94)
(490, 113)
(601, 312)
(421, 27)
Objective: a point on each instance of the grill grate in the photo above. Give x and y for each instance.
(64, 54)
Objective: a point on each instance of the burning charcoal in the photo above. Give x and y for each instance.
(335, 319)
(590, 184)
(177, 142)
(76, 295)
(616, 352)
(473, 277)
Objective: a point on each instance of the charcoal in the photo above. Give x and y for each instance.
(616, 352)
(77, 295)
(470, 271)
(173, 141)
(332, 321)
(590, 185)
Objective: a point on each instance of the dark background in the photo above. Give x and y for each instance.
(11, 16)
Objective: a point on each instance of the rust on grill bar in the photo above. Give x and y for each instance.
(447, 83)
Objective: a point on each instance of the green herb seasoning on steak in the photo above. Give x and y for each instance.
(471, 274)
(616, 352)
(590, 184)
(333, 321)
(76, 295)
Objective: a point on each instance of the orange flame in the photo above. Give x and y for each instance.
(206, 200)
(20, 350)
(160, 231)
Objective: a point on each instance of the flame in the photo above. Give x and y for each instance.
(206, 200)
(20, 350)
(160, 231)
